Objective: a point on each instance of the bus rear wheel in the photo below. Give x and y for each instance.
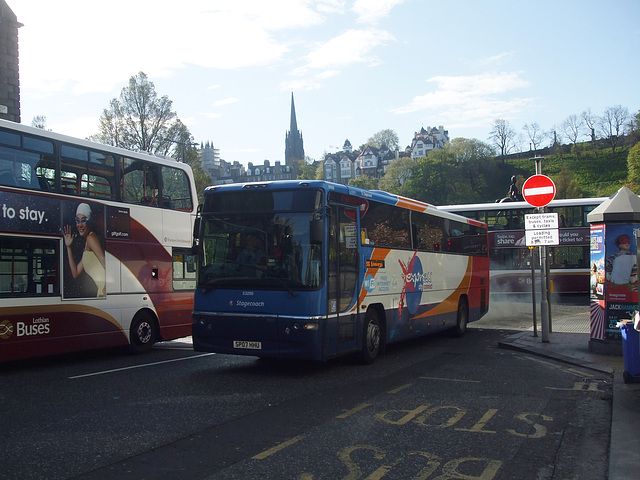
(144, 333)
(372, 338)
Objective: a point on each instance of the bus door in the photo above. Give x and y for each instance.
(343, 276)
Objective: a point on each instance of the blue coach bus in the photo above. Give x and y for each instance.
(315, 270)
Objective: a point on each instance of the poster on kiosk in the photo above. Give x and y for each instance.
(614, 273)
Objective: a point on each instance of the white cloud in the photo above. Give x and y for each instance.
(470, 100)
(91, 48)
(372, 11)
(494, 61)
(226, 101)
(353, 46)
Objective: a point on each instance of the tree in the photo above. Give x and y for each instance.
(140, 120)
(634, 127)
(633, 167)
(473, 157)
(306, 169)
(39, 121)
(590, 121)
(566, 185)
(502, 136)
(396, 175)
(572, 129)
(469, 150)
(611, 124)
(535, 134)
(388, 137)
(364, 182)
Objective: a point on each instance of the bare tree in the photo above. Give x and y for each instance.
(535, 134)
(590, 121)
(572, 129)
(611, 124)
(503, 136)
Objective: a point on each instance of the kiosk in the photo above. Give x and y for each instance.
(615, 227)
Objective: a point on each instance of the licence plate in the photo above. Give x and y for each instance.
(247, 345)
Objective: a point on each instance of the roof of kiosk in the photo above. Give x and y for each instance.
(622, 206)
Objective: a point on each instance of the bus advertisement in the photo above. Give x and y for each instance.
(315, 270)
(511, 258)
(95, 245)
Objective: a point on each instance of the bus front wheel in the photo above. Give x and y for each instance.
(372, 337)
(143, 333)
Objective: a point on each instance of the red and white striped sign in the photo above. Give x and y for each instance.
(538, 190)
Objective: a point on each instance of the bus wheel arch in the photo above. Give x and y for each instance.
(373, 334)
(462, 318)
(144, 331)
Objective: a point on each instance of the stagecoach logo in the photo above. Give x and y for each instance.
(6, 329)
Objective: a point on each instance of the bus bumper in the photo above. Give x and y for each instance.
(258, 335)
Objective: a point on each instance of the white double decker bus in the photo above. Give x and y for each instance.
(95, 245)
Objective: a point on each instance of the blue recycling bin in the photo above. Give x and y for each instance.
(631, 353)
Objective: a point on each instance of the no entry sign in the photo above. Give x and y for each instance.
(538, 190)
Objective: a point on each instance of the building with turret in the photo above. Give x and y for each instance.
(426, 140)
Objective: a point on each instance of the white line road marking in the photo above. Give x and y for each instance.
(104, 372)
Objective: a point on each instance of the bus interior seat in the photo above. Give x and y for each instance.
(44, 184)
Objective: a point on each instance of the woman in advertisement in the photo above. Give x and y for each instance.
(621, 266)
(92, 261)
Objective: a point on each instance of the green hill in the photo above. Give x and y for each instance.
(597, 173)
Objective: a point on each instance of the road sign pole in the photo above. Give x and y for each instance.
(533, 259)
(545, 306)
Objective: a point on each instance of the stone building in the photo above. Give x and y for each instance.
(426, 140)
(9, 71)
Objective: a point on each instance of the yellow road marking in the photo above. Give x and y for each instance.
(399, 389)
(362, 406)
(277, 448)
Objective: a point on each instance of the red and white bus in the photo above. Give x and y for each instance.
(95, 245)
(511, 258)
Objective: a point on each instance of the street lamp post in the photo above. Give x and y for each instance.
(184, 147)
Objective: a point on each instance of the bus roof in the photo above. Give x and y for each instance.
(88, 144)
(376, 195)
(565, 202)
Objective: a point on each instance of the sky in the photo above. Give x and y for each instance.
(354, 67)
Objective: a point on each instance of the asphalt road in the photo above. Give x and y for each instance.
(435, 408)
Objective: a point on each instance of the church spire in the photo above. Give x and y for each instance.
(293, 126)
(294, 147)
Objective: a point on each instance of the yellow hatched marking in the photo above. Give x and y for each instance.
(277, 448)
(348, 413)
(400, 388)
